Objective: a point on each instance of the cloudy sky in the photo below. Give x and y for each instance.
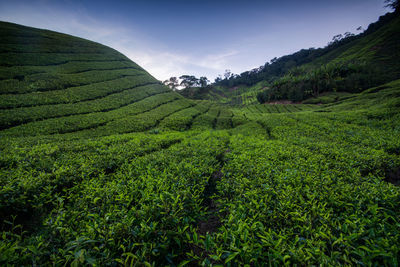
(202, 38)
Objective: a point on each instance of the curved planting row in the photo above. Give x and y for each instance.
(74, 94)
(131, 202)
(224, 119)
(21, 72)
(91, 120)
(206, 120)
(42, 82)
(14, 117)
(183, 120)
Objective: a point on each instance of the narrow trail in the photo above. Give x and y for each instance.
(214, 123)
(231, 121)
(213, 220)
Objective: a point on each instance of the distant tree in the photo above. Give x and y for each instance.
(166, 82)
(203, 81)
(348, 34)
(253, 71)
(337, 38)
(227, 74)
(189, 81)
(172, 83)
(394, 4)
(218, 79)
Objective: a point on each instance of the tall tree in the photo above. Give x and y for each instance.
(227, 74)
(189, 81)
(203, 81)
(172, 83)
(218, 79)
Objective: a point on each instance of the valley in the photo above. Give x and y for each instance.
(103, 165)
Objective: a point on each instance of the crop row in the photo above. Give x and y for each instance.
(278, 108)
(52, 47)
(249, 98)
(107, 204)
(206, 120)
(13, 117)
(145, 120)
(43, 59)
(183, 120)
(21, 39)
(334, 127)
(239, 117)
(305, 197)
(74, 94)
(296, 199)
(286, 204)
(46, 42)
(224, 120)
(20, 72)
(92, 120)
(56, 81)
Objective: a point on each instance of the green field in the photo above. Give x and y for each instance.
(102, 165)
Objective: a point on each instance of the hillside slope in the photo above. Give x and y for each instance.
(56, 83)
(351, 65)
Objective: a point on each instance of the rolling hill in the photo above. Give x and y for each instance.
(351, 64)
(102, 165)
(56, 83)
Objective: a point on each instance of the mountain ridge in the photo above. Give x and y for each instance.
(374, 52)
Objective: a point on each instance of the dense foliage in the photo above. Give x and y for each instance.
(333, 77)
(278, 67)
(295, 187)
(118, 170)
(346, 73)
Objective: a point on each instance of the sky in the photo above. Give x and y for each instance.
(201, 38)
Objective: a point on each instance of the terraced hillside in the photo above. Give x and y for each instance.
(101, 165)
(55, 83)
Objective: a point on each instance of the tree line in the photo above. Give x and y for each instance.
(300, 84)
(186, 81)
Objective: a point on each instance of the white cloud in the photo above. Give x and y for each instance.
(165, 64)
(217, 61)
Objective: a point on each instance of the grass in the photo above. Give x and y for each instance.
(127, 172)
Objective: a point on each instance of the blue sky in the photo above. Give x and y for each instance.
(202, 38)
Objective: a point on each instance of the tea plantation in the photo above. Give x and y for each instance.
(102, 165)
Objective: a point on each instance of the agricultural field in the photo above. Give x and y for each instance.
(318, 186)
(102, 165)
(237, 95)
